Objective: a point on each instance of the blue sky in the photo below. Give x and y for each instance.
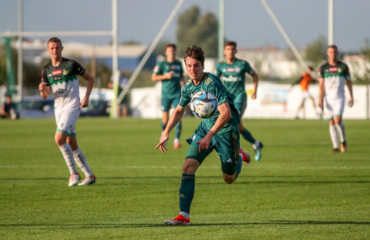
(247, 22)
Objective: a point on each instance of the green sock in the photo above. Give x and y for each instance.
(178, 130)
(248, 136)
(186, 191)
(163, 126)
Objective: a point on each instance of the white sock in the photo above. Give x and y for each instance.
(176, 140)
(184, 214)
(68, 157)
(256, 144)
(81, 161)
(342, 131)
(334, 135)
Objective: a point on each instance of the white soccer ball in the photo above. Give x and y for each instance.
(203, 104)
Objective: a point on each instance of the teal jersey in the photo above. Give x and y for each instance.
(233, 77)
(211, 83)
(171, 88)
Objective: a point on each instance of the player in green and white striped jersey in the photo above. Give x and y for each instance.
(61, 75)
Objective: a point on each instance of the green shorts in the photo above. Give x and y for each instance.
(226, 145)
(240, 106)
(166, 103)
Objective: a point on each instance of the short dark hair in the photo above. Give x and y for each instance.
(311, 68)
(230, 43)
(54, 40)
(196, 53)
(170, 45)
(333, 46)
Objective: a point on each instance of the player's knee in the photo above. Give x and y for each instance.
(60, 140)
(229, 179)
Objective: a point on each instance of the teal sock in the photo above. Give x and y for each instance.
(248, 136)
(163, 126)
(186, 192)
(178, 130)
(238, 167)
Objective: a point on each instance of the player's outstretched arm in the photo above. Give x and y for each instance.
(172, 122)
(321, 92)
(225, 115)
(90, 85)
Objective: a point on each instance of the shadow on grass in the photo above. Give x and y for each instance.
(147, 225)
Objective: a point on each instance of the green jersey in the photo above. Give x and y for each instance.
(233, 77)
(211, 83)
(63, 80)
(171, 88)
(334, 79)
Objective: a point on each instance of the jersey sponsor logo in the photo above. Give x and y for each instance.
(230, 70)
(237, 69)
(60, 92)
(58, 78)
(224, 70)
(56, 72)
(176, 74)
(50, 75)
(65, 72)
(333, 69)
(231, 79)
(175, 67)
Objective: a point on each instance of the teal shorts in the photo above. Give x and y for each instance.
(167, 102)
(240, 107)
(226, 145)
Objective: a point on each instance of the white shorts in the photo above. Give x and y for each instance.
(333, 108)
(306, 94)
(66, 122)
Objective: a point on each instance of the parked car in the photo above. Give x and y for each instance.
(36, 107)
(96, 108)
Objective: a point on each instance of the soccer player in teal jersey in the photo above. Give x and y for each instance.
(219, 132)
(61, 77)
(233, 76)
(170, 72)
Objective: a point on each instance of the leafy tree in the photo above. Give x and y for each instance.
(196, 29)
(316, 51)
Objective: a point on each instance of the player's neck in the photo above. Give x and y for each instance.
(197, 81)
(230, 60)
(56, 62)
(333, 62)
(170, 60)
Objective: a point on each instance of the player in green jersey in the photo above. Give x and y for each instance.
(61, 77)
(233, 76)
(219, 132)
(170, 72)
(332, 77)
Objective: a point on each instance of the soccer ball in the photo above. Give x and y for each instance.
(203, 104)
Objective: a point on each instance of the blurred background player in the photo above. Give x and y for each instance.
(332, 77)
(233, 76)
(170, 72)
(219, 132)
(8, 108)
(304, 81)
(122, 107)
(61, 74)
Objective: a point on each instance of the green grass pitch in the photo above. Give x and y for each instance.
(296, 191)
